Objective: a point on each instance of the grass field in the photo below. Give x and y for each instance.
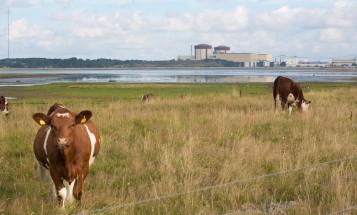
(186, 143)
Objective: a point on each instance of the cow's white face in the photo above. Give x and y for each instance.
(62, 124)
(305, 106)
(62, 127)
(290, 98)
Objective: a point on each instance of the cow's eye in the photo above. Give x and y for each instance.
(53, 127)
(72, 126)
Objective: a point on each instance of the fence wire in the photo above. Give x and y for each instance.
(234, 182)
(344, 210)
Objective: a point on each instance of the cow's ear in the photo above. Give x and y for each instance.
(41, 118)
(83, 117)
(2, 99)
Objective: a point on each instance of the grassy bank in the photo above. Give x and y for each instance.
(133, 92)
(192, 136)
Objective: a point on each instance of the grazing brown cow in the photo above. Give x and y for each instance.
(288, 91)
(147, 97)
(4, 106)
(66, 144)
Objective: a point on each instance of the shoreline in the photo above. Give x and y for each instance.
(337, 69)
(32, 76)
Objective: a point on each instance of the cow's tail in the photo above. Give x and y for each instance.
(41, 172)
(276, 94)
(44, 174)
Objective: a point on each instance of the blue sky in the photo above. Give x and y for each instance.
(164, 29)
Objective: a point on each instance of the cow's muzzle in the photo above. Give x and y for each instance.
(63, 143)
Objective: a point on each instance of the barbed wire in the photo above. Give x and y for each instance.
(344, 210)
(234, 182)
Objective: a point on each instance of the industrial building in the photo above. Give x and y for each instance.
(204, 51)
(221, 49)
(344, 61)
(246, 59)
(336, 62)
(300, 62)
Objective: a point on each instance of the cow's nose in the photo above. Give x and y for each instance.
(62, 141)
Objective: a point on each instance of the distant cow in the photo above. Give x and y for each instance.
(289, 92)
(66, 144)
(147, 97)
(4, 106)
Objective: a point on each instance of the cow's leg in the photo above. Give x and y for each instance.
(283, 103)
(290, 108)
(77, 191)
(52, 188)
(41, 171)
(70, 196)
(60, 188)
(45, 173)
(276, 102)
(52, 185)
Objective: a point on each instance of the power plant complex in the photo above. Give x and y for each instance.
(204, 51)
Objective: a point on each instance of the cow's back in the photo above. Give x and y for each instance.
(284, 86)
(147, 97)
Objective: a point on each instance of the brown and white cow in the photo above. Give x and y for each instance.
(4, 107)
(289, 92)
(147, 97)
(66, 144)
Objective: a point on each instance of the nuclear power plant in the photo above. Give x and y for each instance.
(204, 51)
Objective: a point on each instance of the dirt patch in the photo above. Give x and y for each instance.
(22, 93)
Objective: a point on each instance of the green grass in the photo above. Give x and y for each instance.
(191, 136)
(113, 91)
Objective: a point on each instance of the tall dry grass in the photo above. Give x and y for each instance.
(176, 145)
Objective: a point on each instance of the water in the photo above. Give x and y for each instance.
(175, 76)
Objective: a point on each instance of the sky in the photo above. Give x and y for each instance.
(165, 29)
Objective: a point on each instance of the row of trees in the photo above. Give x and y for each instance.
(109, 63)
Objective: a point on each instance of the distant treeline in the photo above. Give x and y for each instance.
(109, 63)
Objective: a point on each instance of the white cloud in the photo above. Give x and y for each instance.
(24, 3)
(174, 22)
(309, 31)
(209, 20)
(204, 21)
(63, 1)
(342, 15)
(331, 35)
(219, 20)
(23, 30)
(343, 4)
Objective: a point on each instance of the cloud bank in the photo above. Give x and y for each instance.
(152, 30)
